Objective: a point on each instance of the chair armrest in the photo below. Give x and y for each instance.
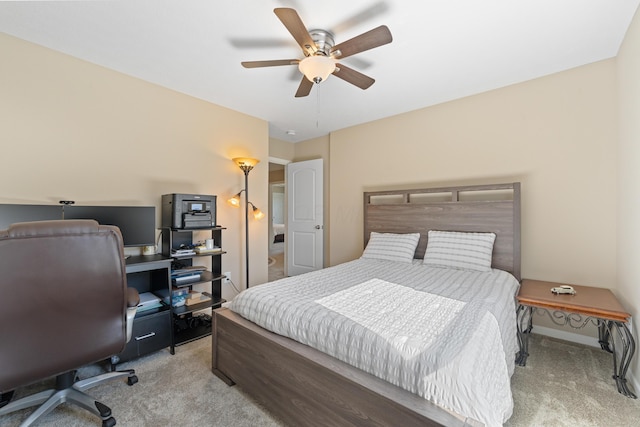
(133, 299)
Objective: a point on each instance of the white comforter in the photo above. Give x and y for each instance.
(447, 335)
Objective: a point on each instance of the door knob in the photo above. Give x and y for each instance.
(318, 227)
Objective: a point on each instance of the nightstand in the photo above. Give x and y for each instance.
(596, 305)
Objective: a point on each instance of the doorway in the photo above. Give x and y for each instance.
(277, 231)
(296, 211)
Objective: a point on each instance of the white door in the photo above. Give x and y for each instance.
(305, 227)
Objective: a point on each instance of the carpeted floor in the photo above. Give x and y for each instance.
(276, 262)
(563, 384)
(567, 384)
(177, 390)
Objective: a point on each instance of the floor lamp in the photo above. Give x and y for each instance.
(246, 164)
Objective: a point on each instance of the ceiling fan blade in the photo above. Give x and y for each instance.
(305, 87)
(274, 63)
(352, 76)
(294, 24)
(377, 37)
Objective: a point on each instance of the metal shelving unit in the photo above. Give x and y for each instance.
(187, 324)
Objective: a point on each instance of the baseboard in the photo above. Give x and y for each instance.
(566, 335)
(580, 339)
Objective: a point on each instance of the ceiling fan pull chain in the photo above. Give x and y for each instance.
(318, 107)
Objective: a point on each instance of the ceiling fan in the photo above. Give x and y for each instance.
(321, 53)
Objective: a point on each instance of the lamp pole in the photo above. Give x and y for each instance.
(246, 164)
(246, 171)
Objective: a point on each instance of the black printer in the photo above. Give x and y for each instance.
(188, 211)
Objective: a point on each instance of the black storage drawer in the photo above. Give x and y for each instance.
(150, 333)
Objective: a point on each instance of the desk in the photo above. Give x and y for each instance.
(596, 305)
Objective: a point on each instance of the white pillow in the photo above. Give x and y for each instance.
(467, 251)
(391, 247)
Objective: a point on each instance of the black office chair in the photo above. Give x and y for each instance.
(64, 303)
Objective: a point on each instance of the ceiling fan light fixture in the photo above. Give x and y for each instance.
(321, 53)
(317, 68)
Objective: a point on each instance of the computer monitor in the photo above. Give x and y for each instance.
(10, 214)
(136, 223)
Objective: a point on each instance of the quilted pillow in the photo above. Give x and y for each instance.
(391, 246)
(467, 251)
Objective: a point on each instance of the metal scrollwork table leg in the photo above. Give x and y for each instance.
(524, 329)
(609, 333)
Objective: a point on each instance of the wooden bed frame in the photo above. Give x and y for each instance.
(305, 387)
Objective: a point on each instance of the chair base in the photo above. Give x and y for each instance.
(69, 391)
(5, 398)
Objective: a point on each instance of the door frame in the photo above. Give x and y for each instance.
(283, 162)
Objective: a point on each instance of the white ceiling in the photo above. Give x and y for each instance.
(442, 49)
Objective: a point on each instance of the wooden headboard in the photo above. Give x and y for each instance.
(480, 208)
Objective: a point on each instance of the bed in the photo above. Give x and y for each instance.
(342, 384)
(278, 233)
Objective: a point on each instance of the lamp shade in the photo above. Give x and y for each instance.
(235, 201)
(257, 213)
(246, 161)
(317, 68)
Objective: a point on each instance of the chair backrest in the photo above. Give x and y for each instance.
(62, 298)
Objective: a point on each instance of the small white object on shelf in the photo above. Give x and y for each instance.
(564, 289)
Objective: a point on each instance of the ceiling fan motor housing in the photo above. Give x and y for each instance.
(324, 41)
(320, 64)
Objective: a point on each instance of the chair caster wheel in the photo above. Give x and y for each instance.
(132, 380)
(109, 422)
(5, 398)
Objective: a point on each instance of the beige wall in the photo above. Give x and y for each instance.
(628, 288)
(556, 135)
(280, 149)
(276, 176)
(73, 130)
